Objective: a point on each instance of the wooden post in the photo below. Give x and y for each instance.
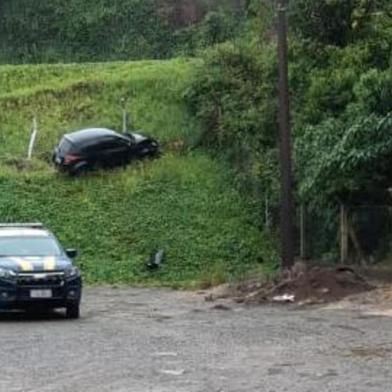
(123, 103)
(357, 246)
(125, 121)
(303, 232)
(33, 137)
(266, 212)
(343, 233)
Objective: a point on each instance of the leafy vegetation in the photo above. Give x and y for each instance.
(340, 75)
(104, 30)
(185, 203)
(231, 97)
(342, 120)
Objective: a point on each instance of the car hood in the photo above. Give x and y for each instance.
(34, 264)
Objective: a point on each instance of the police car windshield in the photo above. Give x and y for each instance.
(28, 246)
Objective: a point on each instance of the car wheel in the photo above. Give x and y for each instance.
(72, 311)
(154, 152)
(80, 170)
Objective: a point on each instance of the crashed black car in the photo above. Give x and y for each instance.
(90, 148)
(36, 272)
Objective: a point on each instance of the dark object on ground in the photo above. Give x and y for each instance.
(221, 307)
(36, 273)
(306, 286)
(156, 259)
(83, 150)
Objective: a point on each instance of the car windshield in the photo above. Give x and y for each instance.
(65, 146)
(28, 246)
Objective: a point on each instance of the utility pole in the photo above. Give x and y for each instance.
(287, 205)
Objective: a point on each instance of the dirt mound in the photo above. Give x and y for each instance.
(306, 285)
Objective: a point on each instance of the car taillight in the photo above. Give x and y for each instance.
(69, 158)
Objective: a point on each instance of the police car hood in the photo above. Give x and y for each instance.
(34, 264)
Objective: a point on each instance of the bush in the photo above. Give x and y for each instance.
(104, 30)
(232, 95)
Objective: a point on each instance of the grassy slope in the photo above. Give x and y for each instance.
(184, 203)
(73, 96)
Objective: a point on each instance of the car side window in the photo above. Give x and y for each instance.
(106, 144)
(91, 146)
(113, 143)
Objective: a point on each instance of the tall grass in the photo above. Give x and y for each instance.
(68, 97)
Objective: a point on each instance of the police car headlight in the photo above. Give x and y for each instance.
(6, 274)
(72, 272)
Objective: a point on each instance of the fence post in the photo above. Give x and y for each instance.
(343, 233)
(303, 247)
(266, 211)
(33, 136)
(124, 115)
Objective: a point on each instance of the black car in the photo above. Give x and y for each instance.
(36, 272)
(100, 147)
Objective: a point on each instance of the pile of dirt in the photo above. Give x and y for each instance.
(304, 285)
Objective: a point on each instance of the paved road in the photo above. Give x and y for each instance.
(160, 341)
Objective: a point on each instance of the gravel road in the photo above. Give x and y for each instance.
(146, 340)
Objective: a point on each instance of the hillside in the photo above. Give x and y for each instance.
(103, 30)
(185, 203)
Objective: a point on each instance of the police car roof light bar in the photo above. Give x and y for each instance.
(30, 225)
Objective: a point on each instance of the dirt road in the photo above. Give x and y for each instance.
(160, 341)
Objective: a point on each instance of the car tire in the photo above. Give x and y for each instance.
(72, 312)
(154, 153)
(80, 169)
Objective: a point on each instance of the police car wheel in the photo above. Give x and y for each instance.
(72, 311)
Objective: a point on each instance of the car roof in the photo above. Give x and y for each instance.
(89, 133)
(23, 232)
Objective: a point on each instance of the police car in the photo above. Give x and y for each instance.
(36, 272)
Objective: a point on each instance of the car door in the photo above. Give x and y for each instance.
(114, 151)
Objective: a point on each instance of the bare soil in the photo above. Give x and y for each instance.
(301, 285)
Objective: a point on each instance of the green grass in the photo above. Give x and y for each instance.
(67, 97)
(185, 203)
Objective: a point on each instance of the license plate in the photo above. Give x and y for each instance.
(58, 160)
(40, 293)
